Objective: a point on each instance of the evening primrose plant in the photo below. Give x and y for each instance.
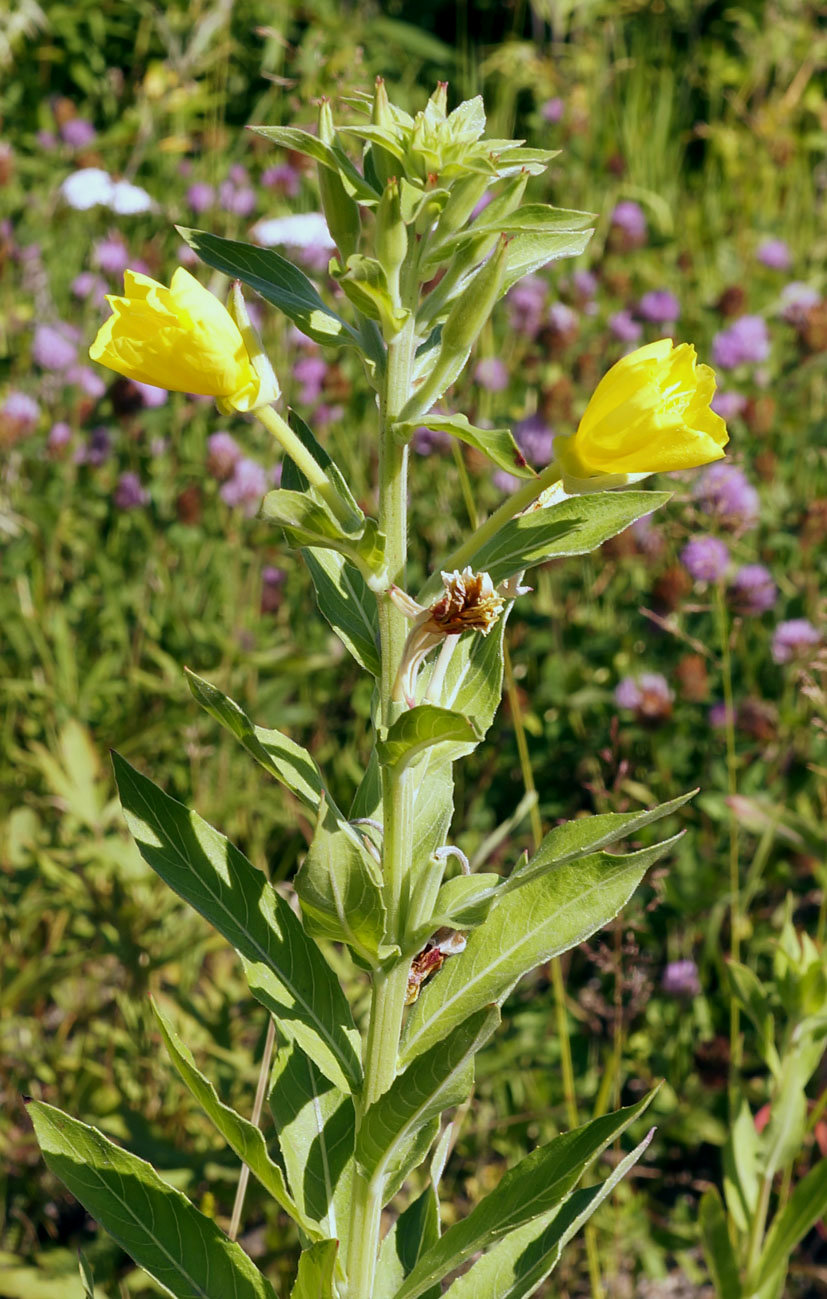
(357, 1106)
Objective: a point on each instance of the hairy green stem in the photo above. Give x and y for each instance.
(734, 866)
(389, 986)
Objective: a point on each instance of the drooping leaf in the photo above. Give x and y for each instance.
(315, 1123)
(285, 760)
(306, 523)
(242, 1136)
(517, 1265)
(464, 901)
(571, 527)
(348, 604)
(434, 1081)
(315, 1275)
(422, 727)
(536, 1185)
(805, 1207)
(529, 252)
(415, 1231)
(331, 156)
(495, 443)
(717, 1247)
(526, 927)
(276, 280)
(575, 839)
(339, 886)
(157, 1226)
(284, 967)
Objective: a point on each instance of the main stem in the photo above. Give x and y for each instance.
(389, 987)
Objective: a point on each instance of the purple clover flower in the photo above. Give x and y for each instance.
(223, 454)
(310, 372)
(111, 255)
(427, 440)
(535, 439)
(647, 535)
(491, 373)
(745, 342)
(794, 639)
(201, 196)
(87, 379)
(505, 481)
(629, 217)
(526, 304)
(680, 979)
(552, 110)
(284, 178)
(130, 494)
(584, 284)
(78, 133)
(774, 254)
(151, 396)
(797, 299)
(624, 326)
(648, 695)
(720, 715)
(728, 404)
(59, 436)
(89, 285)
(97, 449)
(659, 307)
(562, 318)
(272, 580)
(54, 347)
(705, 558)
(246, 487)
(21, 411)
(754, 589)
(724, 491)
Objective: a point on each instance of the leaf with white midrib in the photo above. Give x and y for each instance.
(184, 1251)
(284, 967)
(545, 917)
(434, 1081)
(538, 1183)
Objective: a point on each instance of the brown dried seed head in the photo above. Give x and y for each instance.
(470, 603)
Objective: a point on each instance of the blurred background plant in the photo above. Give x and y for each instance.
(693, 654)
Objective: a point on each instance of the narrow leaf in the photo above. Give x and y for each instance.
(315, 1123)
(414, 1231)
(348, 604)
(434, 1081)
(717, 1247)
(285, 760)
(340, 888)
(315, 1275)
(243, 1137)
(571, 527)
(587, 834)
(284, 967)
(740, 1160)
(539, 1183)
(276, 280)
(528, 926)
(157, 1226)
(421, 728)
(517, 1265)
(805, 1207)
(495, 443)
(527, 253)
(331, 156)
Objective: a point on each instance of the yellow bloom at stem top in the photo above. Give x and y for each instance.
(182, 338)
(650, 413)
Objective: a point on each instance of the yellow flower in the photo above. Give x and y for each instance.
(184, 339)
(650, 413)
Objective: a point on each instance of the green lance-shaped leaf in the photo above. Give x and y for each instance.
(415, 1231)
(495, 443)
(588, 834)
(277, 280)
(805, 1207)
(740, 1160)
(517, 1265)
(285, 760)
(315, 1122)
(546, 917)
(348, 604)
(87, 1278)
(753, 999)
(306, 523)
(242, 1136)
(571, 527)
(328, 155)
(434, 1081)
(157, 1226)
(717, 1247)
(283, 966)
(539, 1183)
(422, 727)
(531, 218)
(293, 478)
(315, 1275)
(514, 159)
(529, 252)
(340, 889)
(464, 901)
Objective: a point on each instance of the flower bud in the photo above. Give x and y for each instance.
(391, 231)
(340, 210)
(465, 195)
(384, 163)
